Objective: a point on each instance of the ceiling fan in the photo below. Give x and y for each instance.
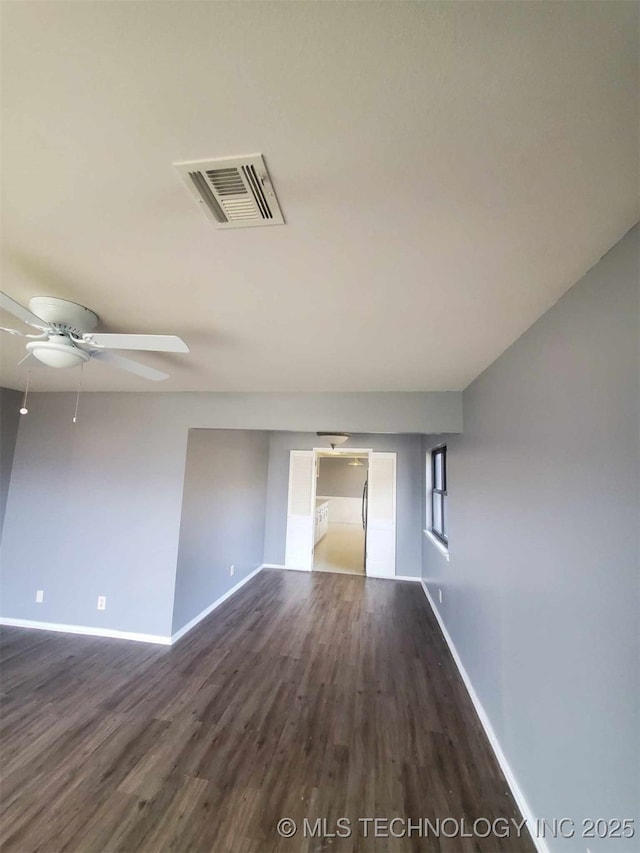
(66, 337)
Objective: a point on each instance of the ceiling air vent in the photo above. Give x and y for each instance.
(234, 192)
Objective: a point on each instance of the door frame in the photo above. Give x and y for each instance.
(341, 451)
(382, 530)
(300, 527)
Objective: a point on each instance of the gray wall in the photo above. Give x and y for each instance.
(338, 479)
(223, 513)
(541, 595)
(409, 493)
(415, 412)
(94, 508)
(10, 402)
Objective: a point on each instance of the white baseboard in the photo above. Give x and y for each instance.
(192, 624)
(393, 577)
(377, 577)
(540, 843)
(287, 568)
(86, 631)
(158, 639)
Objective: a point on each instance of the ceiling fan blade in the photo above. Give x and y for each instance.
(22, 313)
(130, 366)
(151, 343)
(22, 334)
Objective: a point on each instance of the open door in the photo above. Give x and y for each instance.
(381, 515)
(301, 510)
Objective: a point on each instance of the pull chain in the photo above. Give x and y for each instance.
(24, 410)
(75, 414)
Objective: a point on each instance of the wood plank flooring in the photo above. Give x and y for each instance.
(303, 696)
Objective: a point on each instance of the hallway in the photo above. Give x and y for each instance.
(303, 696)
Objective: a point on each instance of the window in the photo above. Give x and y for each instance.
(439, 494)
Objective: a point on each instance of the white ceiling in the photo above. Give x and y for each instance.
(446, 170)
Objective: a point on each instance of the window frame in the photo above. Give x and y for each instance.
(441, 535)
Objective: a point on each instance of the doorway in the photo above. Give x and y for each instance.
(340, 528)
(379, 557)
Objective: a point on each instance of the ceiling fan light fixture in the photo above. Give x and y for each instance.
(57, 353)
(71, 342)
(334, 438)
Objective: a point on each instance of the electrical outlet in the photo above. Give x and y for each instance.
(232, 571)
(102, 602)
(39, 596)
(440, 596)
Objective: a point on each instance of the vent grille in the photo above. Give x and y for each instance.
(234, 192)
(226, 181)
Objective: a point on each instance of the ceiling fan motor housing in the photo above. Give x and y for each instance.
(65, 316)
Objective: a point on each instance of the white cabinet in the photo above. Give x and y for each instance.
(322, 520)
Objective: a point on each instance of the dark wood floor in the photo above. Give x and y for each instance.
(318, 696)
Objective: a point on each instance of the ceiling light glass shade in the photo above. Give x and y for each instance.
(334, 438)
(355, 463)
(57, 354)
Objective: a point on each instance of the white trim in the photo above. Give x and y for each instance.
(377, 577)
(382, 520)
(299, 542)
(394, 578)
(86, 630)
(158, 639)
(343, 451)
(286, 568)
(185, 628)
(539, 843)
(439, 545)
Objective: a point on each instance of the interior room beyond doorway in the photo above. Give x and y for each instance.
(341, 512)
